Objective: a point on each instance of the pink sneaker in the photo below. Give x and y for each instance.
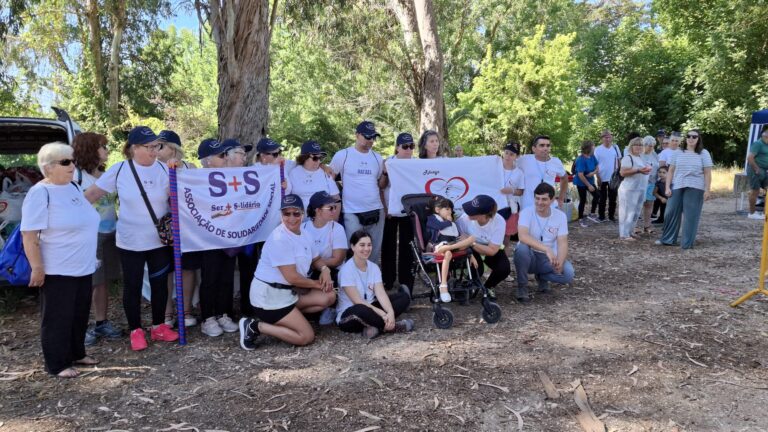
(163, 333)
(138, 340)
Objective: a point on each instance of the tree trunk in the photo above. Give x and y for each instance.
(242, 35)
(94, 46)
(432, 112)
(406, 15)
(113, 81)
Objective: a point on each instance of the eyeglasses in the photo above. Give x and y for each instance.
(689, 136)
(407, 146)
(275, 154)
(330, 207)
(316, 157)
(293, 213)
(153, 147)
(65, 162)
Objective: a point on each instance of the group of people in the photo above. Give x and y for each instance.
(322, 260)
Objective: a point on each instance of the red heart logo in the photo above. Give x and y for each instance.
(454, 188)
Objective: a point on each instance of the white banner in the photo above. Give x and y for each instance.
(458, 179)
(227, 207)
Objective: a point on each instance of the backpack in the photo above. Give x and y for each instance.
(14, 265)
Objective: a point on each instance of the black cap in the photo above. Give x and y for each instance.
(480, 205)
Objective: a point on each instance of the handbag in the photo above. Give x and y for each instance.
(14, 265)
(368, 218)
(163, 225)
(616, 178)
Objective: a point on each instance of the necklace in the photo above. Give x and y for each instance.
(538, 222)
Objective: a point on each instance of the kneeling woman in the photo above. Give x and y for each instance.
(280, 292)
(364, 306)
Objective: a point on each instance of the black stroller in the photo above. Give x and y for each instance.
(464, 283)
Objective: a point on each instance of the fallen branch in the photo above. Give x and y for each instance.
(549, 386)
(520, 422)
(695, 362)
(735, 384)
(504, 389)
(274, 409)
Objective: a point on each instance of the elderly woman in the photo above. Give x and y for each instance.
(429, 145)
(364, 306)
(308, 177)
(137, 237)
(60, 233)
(652, 159)
(90, 155)
(396, 256)
(280, 292)
(688, 183)
(632, 189)
(190, 261)
(481, 221)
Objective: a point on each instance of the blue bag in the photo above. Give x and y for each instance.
(14, 265)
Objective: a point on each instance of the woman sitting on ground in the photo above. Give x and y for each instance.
(280, 293)
(364, 306)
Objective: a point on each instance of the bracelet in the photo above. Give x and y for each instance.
(324, 267)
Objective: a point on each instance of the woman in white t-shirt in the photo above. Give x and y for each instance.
(90, 155)
(137, 237)
(281, 292)
(364, 305)
(329, 242)
(635, 171)
(308, 176)
(60, 230)
(481, 220)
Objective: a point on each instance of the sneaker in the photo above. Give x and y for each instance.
(138, 340)
(756, 216)
(522, 295)
(249, 329)
(601, 220)
(370, 332)
(226, 324)
(491, 294)
(90, 336)
(191, 321)
(658, 221)
(544, 287)
(170, 321)
(404, 326)
(328, 316)
(163, 333)
(108, 330)
(211, 327)
(583, 223)
(445, 297)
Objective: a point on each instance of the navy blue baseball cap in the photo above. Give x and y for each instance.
(141, 135)
(319, 199)
(267, 145)
(480, 205)
(312, 147)
(291, 201)
(209, 147)
(169, 136)
(661, 132)
(231, 143)
(513, 146)
(367, 129)
(404, 138)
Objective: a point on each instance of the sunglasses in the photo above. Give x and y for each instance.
(371, 138)
(407, 146)
(689, 136)
(330, 207)
(316, 157)
(275, 154)
(65, 162)
(153, 147)
(293, 213)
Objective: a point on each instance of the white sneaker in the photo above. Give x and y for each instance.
(445, 297)
(211, 327)
(226, 324)
(328, 315)
(756, 216)
(190, 321)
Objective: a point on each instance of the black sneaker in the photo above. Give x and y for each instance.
(491, 294)
(249, 329)
(522, 295)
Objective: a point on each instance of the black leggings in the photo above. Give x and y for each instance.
(499, 265)
(583, 199)
(246, 264)
(159, 265)
(359, 316)
(607, 195)
(398, 234)
(64, 305)
(217, 281)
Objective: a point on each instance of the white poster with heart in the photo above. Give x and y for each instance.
(458, 179)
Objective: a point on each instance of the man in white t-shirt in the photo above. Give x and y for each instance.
(608, 156)
(541, 167)
(361, 170)
(543, 246)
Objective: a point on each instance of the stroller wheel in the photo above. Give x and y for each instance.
(491, 312)
(443, 318)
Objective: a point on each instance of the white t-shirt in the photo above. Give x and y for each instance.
(689, 169)
(282, 247)
(492, 232)
(513, 178)
(667, 154)
(545, 229)
(68, 227)
(606, 160)
(305, 183)
(104, 206)
(360, 178)
(364, 282)
(637, 181)
(536, 172)
(135, 229)
(324, 240)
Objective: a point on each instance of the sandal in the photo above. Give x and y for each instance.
(649, 230)
(637, 231)
(87, 361)
(68, 373)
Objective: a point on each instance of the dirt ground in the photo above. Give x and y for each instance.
(646, 329)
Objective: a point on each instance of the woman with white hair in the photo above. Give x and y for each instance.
(651, 159)
(632, 189)
(60, 231)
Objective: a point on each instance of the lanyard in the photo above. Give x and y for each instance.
(364, 283)
(543, 173)
(541, 229)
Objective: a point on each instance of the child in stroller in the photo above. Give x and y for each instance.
(443, 237)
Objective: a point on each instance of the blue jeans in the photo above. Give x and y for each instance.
(352, 224)
(528, 261)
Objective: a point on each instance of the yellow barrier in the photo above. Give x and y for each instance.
(763, 268)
